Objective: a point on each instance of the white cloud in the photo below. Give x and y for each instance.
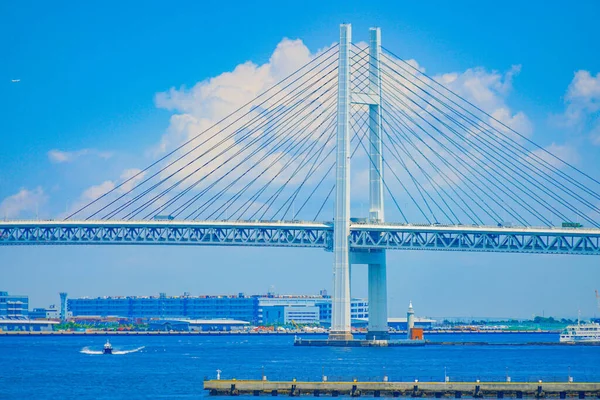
(564, 152)
(89, 195)
(489, 91)
(584, 91)
(517, 122)
(23, 202)
(130, 178)
(583, 105)
(59, 156)
(93, 192)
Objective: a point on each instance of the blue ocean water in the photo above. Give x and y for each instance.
(61, 367)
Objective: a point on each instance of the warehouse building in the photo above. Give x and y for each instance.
(267, 309)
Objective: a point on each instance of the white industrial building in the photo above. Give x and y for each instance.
(289, 309)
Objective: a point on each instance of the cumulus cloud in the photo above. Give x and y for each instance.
(22, 203)
(582, 101)
(489, 90)
(89, 195)
(130, 178)
(93, 192)
(564, 152)
(58, 156)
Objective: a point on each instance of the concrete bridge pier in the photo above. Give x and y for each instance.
(377, 285)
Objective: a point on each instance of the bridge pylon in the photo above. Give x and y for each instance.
(343, 257)
(340, 302)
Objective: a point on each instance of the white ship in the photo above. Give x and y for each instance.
(587, 332)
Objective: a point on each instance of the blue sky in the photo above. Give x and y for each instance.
(89, 77)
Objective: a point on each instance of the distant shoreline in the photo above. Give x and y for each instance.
(234, 333)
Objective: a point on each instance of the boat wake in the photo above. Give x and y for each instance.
(86, 350)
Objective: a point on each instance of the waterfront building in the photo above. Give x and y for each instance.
(26, 325)
(283, 315)
(257, 309)
(240, 307)
(45, 313)
(286, 309)
(13, 306)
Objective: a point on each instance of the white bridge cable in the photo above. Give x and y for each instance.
(332, 188)
(331, 129)
(393, 150)
(275, 115)
(492, 136)
(477, 167)
(306, 147)
(288, 143)
(281, 113)
(366, 77)
(388, 113)
(285, 132)
(398, 127)
(502, 164)
(508, 167)
(362, 121)
(281, 87)
(485, 122)
(359, 121)
(405, 106)
(492, 143)
(399, 144)
(424, 194)
(314, 167)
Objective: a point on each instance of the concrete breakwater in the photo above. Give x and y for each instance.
(498, 390)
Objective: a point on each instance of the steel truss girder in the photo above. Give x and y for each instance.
(538, 241)
(298, 234)
(163, 234)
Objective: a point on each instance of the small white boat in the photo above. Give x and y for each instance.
(107, 348)
(586, 332)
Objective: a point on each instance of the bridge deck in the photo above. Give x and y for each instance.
(363, 237)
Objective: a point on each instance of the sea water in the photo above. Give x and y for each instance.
(60, 367)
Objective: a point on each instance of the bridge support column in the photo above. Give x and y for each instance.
(340, 312)
(378, 315)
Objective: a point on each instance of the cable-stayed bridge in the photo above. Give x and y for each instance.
(276, 172)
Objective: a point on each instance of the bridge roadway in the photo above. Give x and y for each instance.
(363, 237)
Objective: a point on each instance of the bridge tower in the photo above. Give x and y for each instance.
(340, 302)
(343, 257)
